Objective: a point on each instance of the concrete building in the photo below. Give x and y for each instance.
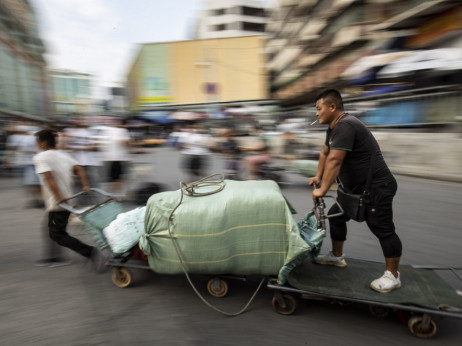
(23, 77)
(315, 44)
(198, 71)
(229, 18)
(72, 92)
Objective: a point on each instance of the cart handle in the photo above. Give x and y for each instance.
(321, 206)
(78, 212)
(321, 202)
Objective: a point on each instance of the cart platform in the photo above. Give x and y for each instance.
(420, 287)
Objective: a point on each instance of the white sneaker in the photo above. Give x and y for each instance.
(386, 283)
(331, 259)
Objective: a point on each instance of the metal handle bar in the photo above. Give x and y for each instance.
(336, 202)
(76, 211)
(321, 206)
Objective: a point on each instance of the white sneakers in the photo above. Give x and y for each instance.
(331, 259)
(386, 283)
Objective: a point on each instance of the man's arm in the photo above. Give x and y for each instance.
(80, 173)
(332, 165)
(321, 164)
(50, 181)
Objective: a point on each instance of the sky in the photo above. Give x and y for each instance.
(101, 36)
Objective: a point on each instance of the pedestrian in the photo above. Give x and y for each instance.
(231, 150)
(346, 155)
(56, 169)
(79, 142)
(115, 154)
(195, 151)
(261, 155)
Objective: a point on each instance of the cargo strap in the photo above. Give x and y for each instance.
(191, 189)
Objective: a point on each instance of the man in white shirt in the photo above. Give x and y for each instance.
(56, 169)
(116, 155)
(78, 140)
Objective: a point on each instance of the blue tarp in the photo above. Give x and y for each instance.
(157, 117)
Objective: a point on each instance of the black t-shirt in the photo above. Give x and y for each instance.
(352, 135)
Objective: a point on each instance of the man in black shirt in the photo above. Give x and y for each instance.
(346, 155)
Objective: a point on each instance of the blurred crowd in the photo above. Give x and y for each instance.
(106, 151)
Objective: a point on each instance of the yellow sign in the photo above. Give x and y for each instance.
(154, 99)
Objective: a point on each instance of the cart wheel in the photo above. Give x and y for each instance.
(289, 302)
(217, 287)
(121, 277)
(422, 326)
(379, 311)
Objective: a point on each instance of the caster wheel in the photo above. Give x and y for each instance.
(290, 305)
(217, 287)
(422, 327)
(121, 277)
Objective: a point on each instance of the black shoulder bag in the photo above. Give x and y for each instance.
(354, 205)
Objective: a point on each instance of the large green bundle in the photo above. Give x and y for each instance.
(247, 228)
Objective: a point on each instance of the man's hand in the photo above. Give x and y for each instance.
(318, 193)
(315, 181)
(86, 189)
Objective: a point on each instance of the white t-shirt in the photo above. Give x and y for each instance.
(114, 146)
(81, 138)
(195, 144)
(61, 165)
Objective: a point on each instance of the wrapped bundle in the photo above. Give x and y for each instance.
(246, 228)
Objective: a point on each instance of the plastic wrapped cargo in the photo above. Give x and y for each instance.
(246, 228)
(125, 231)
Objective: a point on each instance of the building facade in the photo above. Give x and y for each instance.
(346, 44)
(229, 18)
(71, 92)
(198, 71)
(23, 78)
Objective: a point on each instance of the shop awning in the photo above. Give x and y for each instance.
(434, 60)
(156, 117)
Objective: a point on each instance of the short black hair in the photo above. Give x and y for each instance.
(47, 136)
(331, 96)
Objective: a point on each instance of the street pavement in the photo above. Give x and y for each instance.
(74, 305)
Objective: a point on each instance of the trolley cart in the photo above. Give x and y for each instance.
(423, 294)
(98, 216)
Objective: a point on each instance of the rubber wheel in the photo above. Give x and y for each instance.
(415, 326)
(289, 301)
(219, 291)
(121, 277)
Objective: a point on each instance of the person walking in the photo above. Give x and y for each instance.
(56, 169)
(346, 155)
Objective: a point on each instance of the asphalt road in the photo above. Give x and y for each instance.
(73, 305)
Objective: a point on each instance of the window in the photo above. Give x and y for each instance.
(220, 27)
(219, 12)
(252, 11)
(246, 26)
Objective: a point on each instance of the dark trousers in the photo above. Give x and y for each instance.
(51, 250)
(379, 219)
(57, 224)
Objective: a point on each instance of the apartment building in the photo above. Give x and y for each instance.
(230, 18)
(312, 43)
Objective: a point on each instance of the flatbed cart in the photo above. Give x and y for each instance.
(423, 294)
(97, 216)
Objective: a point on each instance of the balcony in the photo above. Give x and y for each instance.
(348, 35)
(284, 57)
